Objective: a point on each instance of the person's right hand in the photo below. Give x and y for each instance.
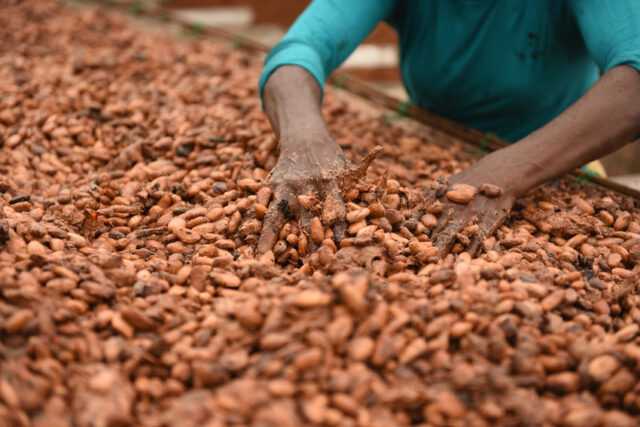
(317, 168)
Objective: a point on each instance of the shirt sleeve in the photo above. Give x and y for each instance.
(611, 31)
(324, 35)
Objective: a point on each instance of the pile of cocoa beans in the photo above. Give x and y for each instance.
(133, 186)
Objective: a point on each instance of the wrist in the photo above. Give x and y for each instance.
(301, 139)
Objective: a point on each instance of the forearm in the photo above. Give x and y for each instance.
(292, 101)
(603, 120)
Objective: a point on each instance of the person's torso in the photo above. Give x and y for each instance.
(503, 66)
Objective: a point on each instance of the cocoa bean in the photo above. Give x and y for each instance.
(490, 190)
(18, 321)
(310, 299)
(602, 367)
(461, 193)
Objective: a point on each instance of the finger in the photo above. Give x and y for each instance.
(445, 217)
(273, 222)
(334, 212)
(361, 170)
(338, 216)
(278, 213)
(339, 231)
(440, 186)
(443, 221)
(489, 224)
(353, 174)
(446, 232)
(417, 215)
(308, 206)
(333, 209)
(305, 223)
(428, 197)
(476, 243)
(447, 238)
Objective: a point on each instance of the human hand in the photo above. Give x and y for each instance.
(471, 209)
(310, 176)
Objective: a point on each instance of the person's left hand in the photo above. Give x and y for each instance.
(471, 223)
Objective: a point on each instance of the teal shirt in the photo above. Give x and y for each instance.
(501, 66)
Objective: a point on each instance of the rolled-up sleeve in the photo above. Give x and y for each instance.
(324, 35)
(611, 31)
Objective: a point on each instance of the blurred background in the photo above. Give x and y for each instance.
(375, 60)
